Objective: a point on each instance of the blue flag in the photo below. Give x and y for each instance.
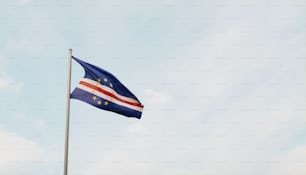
(104, 91)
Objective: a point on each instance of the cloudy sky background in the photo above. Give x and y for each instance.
(223, 84)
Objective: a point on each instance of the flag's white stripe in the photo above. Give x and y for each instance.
(97, 84)
(108, 98)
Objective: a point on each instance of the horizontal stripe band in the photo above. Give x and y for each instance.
(109, 90)
(109, 98)
(109, 94)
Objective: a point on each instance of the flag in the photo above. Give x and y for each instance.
(103, 90)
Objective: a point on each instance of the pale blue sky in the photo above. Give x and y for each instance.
(222, 82)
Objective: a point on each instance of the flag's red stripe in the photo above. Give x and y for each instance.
(109, 94)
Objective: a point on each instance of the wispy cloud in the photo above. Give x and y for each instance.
(8, 84)
(157, 98)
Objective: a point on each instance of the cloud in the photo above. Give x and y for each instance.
(17, 153)
(228, 144)
(7, 83)
(20, 155)
(292, 162)
(21, 2)
(158, 97)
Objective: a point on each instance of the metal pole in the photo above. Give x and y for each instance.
(67, 115)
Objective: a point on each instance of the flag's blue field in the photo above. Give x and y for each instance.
(103, 90)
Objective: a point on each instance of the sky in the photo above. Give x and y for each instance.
(223, 85)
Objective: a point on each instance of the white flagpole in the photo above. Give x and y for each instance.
(67, 115)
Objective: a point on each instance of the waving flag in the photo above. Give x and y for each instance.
(104, 91)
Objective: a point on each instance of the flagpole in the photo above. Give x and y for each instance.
(67, 115)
